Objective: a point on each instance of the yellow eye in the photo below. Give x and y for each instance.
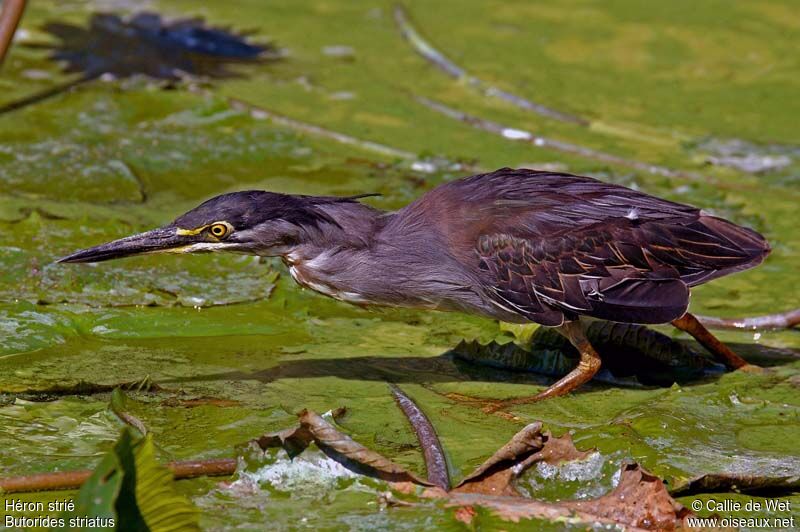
(219, 230)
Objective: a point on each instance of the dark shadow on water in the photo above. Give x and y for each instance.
(447, 368)
(147, 45)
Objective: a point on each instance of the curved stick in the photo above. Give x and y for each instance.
(10, 15)
(435, 462)
(781, 320)
(118, 400)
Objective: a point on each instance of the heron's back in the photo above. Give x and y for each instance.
(551, 245)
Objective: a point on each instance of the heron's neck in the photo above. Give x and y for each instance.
(379, 258)
(330, 255)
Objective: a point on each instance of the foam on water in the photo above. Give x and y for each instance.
(592, 477)
(310, 475)
(582, 470)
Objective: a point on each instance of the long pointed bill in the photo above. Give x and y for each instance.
(158, 240)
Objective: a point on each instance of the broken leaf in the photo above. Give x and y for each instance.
(495, 475)
(640, 499)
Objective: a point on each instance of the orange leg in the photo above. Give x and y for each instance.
(722, 352)
(586, 369)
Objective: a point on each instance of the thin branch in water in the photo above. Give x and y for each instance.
(435, 462)
(546, 143)
(438, 59)
(259, 112)
(118, 400)
(10, 15)
(72, 480)
(782, 320)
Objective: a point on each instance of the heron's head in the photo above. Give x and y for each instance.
(252, 222)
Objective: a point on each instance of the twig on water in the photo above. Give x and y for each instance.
(435, 462)
(71, 480)
(317, 131)
(782, 320)
(546, 143)
(437, 58)
(118, 400)
(10, 15)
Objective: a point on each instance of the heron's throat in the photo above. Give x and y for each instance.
(323, 273)
(334, 260)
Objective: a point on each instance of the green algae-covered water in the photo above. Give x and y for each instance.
(237, 349)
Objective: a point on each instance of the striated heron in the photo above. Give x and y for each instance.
(514, 245)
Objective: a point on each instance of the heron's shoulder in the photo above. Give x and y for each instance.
(517, 181)
(516, 194)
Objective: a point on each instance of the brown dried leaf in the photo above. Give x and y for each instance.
(497, 474)
(494, 476)
(465, 514)
(731, 482)
(516, 508)
(352, 454)
(639, 502)
(294, 440)
(496, 481)
(554, 451)
(640, 499)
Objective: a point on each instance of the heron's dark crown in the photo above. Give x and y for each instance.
(252, 207)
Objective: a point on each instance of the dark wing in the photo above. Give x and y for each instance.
(546, 280)
(554, 246)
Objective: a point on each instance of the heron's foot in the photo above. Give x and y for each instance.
(586, 369)
(752, 368)
(721, 352)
